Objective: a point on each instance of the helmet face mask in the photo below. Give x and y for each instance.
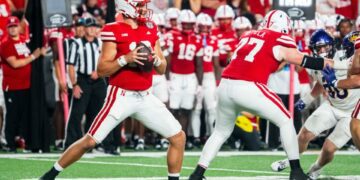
(239, 32)
(322, 44)
(348, 43)
(134, 9)
(187, 21)
(173, 23)
(203, 29)
(323, 50)
(187, 28)
(225, 23)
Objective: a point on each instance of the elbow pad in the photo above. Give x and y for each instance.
(315, 63)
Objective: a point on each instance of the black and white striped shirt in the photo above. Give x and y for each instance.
(67, 47)
(84, 55)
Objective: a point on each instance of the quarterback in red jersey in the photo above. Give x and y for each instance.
(128, 92)
(182, 48)
(209, 55)
(224, 17)
(259, 54)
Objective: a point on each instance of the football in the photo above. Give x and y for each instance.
(148, 63)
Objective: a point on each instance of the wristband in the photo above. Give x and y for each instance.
(157, 61)
(336, 83)
(75, 84)
(315, 63)
(121, 61)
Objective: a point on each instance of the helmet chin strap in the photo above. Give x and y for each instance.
(323, 55)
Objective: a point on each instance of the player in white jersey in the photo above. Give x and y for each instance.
(335, 112)
(351, 43)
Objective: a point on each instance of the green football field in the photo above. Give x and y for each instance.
(152, 165)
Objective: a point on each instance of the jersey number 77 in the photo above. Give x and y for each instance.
(250, 41)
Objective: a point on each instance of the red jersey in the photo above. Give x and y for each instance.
(4, 14)
(126, 39)
(182, 49)
(208, 51)
(19, 4)
(15, 79)
(254, 59)
(223, 38)
(347, 8)
(258, 6)
(304, 77)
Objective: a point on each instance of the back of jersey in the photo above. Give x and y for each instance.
(254, 58)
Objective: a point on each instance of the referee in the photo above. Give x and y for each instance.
(89, 90)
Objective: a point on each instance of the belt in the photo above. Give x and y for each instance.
(124, 92)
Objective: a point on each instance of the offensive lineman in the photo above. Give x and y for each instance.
(128, 92)
(259, 54)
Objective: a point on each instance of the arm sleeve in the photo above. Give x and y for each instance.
(107, 34)
(286, 41)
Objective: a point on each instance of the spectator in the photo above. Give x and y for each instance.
(89, 9)
(246, 129)
(16, 58)
(240, 6)
(159, 6)
(210, 6)
(4, 17)
(18, 5)
(193, 5)
(260, 7)
(344, 27)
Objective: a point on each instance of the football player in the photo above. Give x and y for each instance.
(240, 25)
(351, 43)
(224, 18)
(129, 87)
(184, 82)
(209, 55)
(259, 54)
(159, 86)
(336, 112)
(171, 19)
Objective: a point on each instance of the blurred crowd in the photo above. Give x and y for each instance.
(223, 21)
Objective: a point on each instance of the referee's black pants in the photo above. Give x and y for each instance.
(90, 103)
(17, 121)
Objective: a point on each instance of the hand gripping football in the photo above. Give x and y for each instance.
(149, 62)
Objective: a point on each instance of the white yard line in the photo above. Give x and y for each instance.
(158, 166)
(213, 178)
(162, 154)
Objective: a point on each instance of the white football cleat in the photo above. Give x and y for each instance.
(140, 145)
(278, 166)
(314, 173)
